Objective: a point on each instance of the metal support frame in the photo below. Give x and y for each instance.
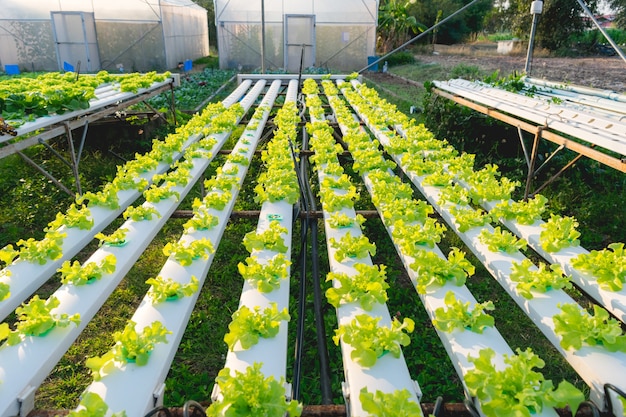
(540, 132)
(66, 127)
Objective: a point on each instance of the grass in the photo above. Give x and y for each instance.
(201, 354)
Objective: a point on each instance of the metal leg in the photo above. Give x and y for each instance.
(533, 159)
(45, 173)
(558, 174)
(70, 142)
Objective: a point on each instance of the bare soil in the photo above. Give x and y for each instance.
(598, 72)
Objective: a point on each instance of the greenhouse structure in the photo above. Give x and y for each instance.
(338, 35)
(112, 35)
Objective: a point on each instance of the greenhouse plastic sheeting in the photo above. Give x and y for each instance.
(343, 33)
(132, 35)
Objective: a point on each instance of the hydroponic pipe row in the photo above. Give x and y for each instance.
(33, 262)
(174, 291)
(460, 321)
(601, 274)
(252, 381)
(79, 299)
(371, 341)
(594, 129)
(553, 311)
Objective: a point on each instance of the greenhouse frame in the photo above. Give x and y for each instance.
(113, 35)
(336, 35)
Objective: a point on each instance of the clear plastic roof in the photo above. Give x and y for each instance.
(325, 11)
(134, 10)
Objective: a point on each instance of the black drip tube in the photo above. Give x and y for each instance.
(309, 222)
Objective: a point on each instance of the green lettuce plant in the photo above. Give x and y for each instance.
(332, 201)
(277, 184)
(251, 393)
(201, 220)
(486, 187)
(408, 210)
(517, 390)
(40, 251)
(141, 213)
(130, 347)
(8, 255)
(130, 181)
(392, 404)
(92, 405)
(179, 176)
(454, 194)
(467, 218)
(341, 220)
(410, 236)
(154, 194)
(248, 325)
(523, 212)
(74, 217)
(77, 274)
(462, 316)
(265, 277)
(577, 328)
(541, 280)
(559, 233)
(419, 166)
(368, 286)
(35, 318)
(221, 182)
(608, 266)
(117, 238)
(438, 179)
(106, 198)
(165, 289)
(235, 158)
(501, 240)
(186, 253)
(217, 199)
(352, 247)
(370, 341)
(270, 239)
(433, 270)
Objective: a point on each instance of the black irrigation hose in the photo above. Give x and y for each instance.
(438, 407)
(297, 365)
(471, 408)
(607, 394)
(196, 406)
(595, 411)
(157, 411)
(322, 349)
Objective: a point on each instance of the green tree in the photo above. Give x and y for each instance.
(559, 20)
(458, 28)
(395, 24)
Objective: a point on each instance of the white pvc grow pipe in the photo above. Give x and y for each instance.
(607, 134)
(605, 108)
(588, 91)
(24, 366)
(105, 96)
(146, 382)
(459, 345)
(24, 277)
(595, 365)
(271, 352)
(388, 374)
(613, 301)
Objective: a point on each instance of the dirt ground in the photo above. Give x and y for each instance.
(599, 72)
